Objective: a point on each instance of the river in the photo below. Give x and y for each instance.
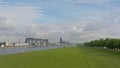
(4, 51)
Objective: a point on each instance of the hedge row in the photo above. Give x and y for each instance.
(109, 43)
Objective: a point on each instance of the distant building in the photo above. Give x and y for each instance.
(6, 44)
(36, 41)
(2, 44)
(61, 40)
(20, 44)
(64, 43)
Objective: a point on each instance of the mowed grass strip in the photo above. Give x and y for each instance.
(72, 57)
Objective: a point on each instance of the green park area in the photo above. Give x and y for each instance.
(70, 57)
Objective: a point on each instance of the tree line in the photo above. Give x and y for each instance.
(107, 43)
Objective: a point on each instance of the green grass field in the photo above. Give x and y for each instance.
(72, 57)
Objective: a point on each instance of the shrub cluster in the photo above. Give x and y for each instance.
(108, 43)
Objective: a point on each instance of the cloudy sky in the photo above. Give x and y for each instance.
(74, 20)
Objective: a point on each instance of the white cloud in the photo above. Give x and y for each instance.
(17, 22)
(6, 23)
(14, 18)
(87, 29)
(19, 13)
(76, 31)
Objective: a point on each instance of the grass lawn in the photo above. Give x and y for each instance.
(72, 57)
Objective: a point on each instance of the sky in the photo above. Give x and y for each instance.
(73, 20)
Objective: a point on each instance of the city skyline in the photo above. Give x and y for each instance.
(74, 20)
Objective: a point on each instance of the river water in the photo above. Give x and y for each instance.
(4, 51)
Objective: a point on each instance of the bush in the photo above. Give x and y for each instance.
(109, 43)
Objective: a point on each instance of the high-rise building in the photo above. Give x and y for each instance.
(36, 41)
(61, 40)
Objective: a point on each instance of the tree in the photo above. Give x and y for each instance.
(109, 43)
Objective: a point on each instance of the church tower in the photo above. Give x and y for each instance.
(60, 40)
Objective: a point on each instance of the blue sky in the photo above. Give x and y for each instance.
(74, 20)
